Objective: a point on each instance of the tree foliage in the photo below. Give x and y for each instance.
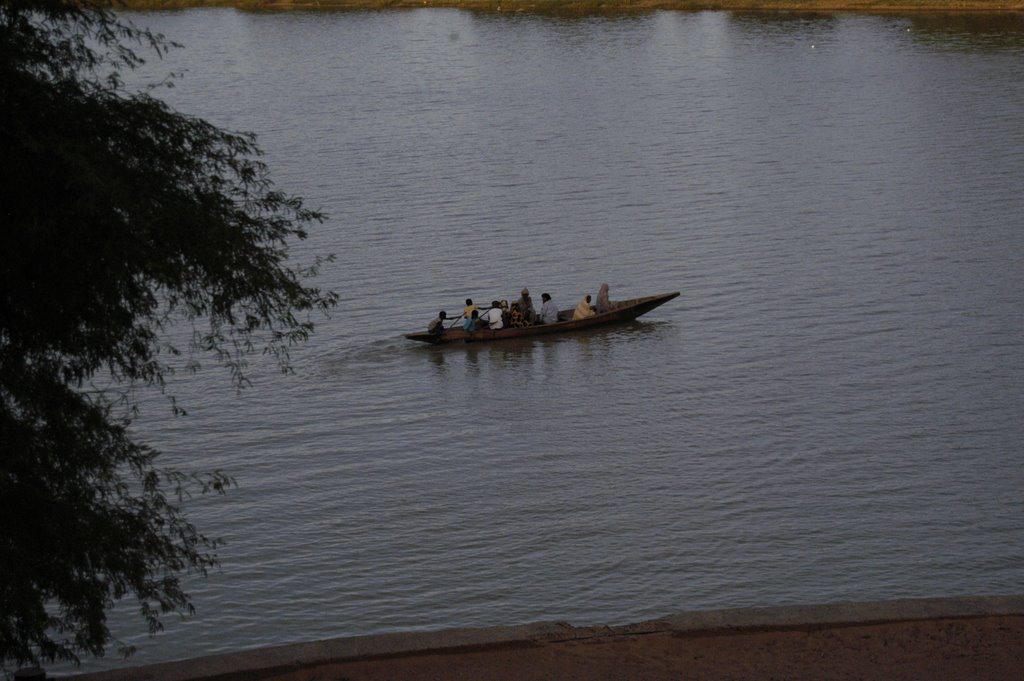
(118, 218)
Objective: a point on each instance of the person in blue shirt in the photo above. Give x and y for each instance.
(472, 322)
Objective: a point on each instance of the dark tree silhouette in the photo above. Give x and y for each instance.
(118, 218)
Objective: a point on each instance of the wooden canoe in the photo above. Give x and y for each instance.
(625, 310)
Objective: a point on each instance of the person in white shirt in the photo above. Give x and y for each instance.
(493, 317)
(548, 311)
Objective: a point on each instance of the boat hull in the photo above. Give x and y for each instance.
(625, 310)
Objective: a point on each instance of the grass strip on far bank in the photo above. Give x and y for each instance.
(584, 7)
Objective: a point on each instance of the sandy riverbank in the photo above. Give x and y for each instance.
(587, 7)
(926, 640)
(928, 650)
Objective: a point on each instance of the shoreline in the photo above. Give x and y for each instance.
(960, 637)
(605, 7)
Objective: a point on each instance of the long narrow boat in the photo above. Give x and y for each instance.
(624, 311)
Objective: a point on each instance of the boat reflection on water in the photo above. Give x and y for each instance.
(519, 352)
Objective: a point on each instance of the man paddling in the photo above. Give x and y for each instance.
(493, 317)
(436, 325)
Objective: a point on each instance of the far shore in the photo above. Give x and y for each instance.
(597, 7)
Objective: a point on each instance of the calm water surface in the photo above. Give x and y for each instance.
(832, 410)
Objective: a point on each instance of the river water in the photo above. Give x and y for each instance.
(831, 410)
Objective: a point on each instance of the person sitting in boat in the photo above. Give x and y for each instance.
(526, 306)
(603, 304)
(467, 311)
(548, 310)
(492, 318)
(436, 326)
(516, 318)
(472, 322)
(583, 310)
